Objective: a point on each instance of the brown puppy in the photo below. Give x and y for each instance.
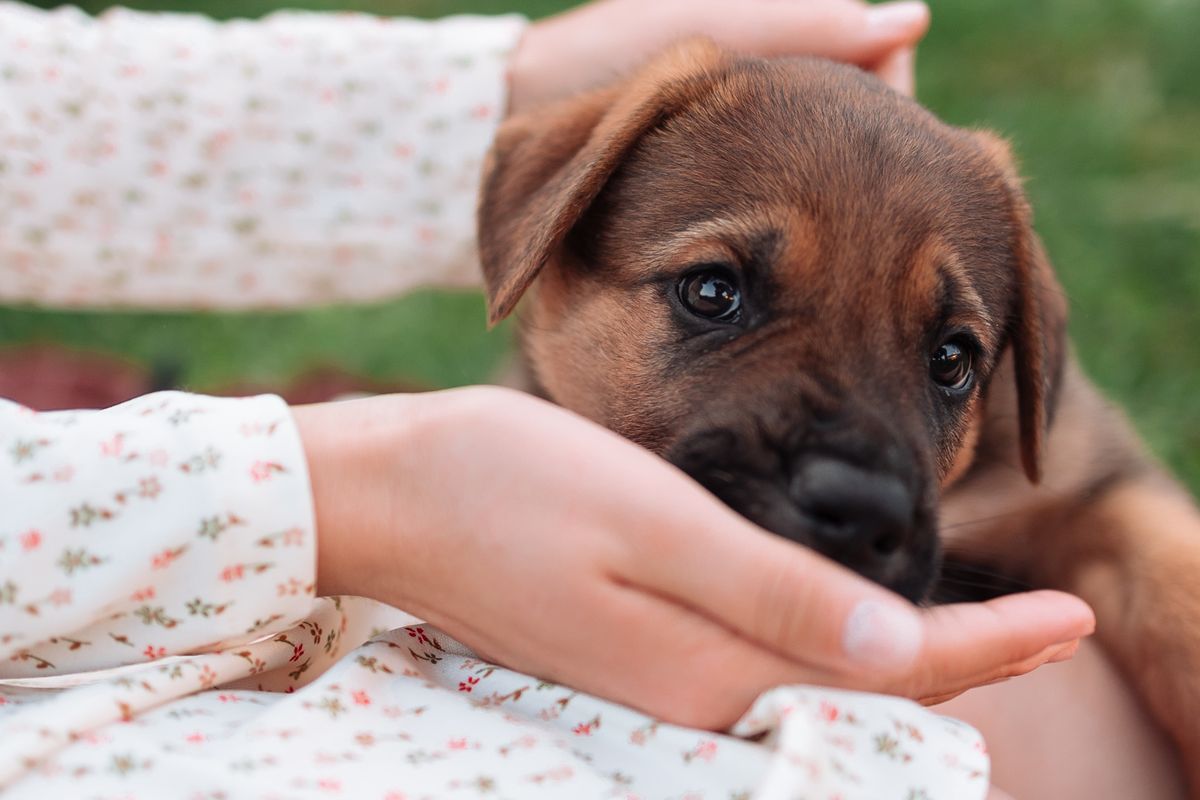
(831, 309)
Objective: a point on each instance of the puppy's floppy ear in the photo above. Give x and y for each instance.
(546, 167)
(1039, 322)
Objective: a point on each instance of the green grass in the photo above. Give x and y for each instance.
(1102, 103)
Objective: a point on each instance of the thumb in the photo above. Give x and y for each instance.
(786, 597)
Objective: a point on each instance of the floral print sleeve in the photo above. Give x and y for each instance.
(167, 160)
(164, 525)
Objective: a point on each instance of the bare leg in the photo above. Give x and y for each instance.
(1071, 730)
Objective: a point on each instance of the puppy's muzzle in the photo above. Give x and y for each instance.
(855, 494)
(862, 518)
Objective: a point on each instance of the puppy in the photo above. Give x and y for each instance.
(831, 310)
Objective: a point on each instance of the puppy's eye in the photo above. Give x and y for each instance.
(711, 292)
(950, 366)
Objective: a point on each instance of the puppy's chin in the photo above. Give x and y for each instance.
(749, 482)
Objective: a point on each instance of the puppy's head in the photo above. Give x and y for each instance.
(790, 281)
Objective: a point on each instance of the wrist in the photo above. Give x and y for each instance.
(356, 461)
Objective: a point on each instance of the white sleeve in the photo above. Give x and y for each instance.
(157, 527)
(168, 160)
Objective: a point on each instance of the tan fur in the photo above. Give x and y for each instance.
(594, 205)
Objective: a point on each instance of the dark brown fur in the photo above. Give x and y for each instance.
(864, 226)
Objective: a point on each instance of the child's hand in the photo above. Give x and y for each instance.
(597, 42)
(557, 548)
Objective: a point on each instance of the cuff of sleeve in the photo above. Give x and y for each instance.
(157, 527)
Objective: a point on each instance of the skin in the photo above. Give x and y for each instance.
(588, 46)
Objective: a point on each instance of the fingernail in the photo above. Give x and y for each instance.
(882, 635)
(904, 15)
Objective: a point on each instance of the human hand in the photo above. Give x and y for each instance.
(555, 547)
(596, 42)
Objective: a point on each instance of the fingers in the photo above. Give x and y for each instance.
(1051, 655)
(785, 597)
(818, 614)
(672, 663)
(970, 644)
(898, 70)
(845, 31)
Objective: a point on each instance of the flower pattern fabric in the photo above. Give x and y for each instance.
(159, 634)
(170, 160)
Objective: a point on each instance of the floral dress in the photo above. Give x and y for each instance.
(159, 632)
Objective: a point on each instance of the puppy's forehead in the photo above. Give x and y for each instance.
(827, 146)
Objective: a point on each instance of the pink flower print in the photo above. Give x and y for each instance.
(482, 111)
(233, 573)
(468, 684)
(64, 474)
(361, 698)
(167, 557)
(292, 588)
(195, 738)
(31, 540)
(457, 744)
(152, 652)
(60, 597)
(365, 739)
(706, 750)
(208, 676)
(114, 446)
(159, 458)
(582, 729)
(149, 488)
(395, 796)
(829, 712)
(263, 470)
(293, 537)
(330, 784)
(143, 594)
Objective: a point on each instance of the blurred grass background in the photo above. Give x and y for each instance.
(1101, 101)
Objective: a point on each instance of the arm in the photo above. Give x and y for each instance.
(169, 161)
(162, 160)
(160, 526)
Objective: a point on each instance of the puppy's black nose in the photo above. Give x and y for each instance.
(858, 517)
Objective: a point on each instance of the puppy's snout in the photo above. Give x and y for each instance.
(859, 517)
